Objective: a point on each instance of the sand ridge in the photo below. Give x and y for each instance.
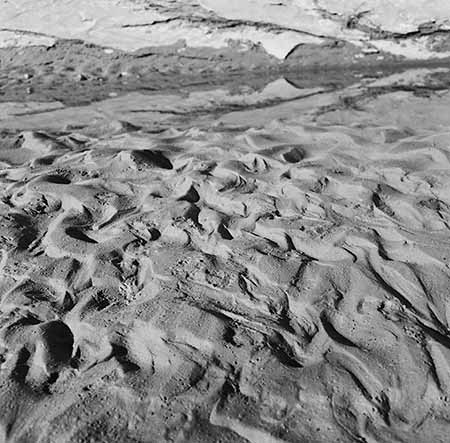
(281, 283)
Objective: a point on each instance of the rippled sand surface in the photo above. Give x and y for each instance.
(286, 281)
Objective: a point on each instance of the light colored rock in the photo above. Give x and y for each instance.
(301, 15)
(19, 39)
(277, 26)
(127, 26)
(400, 16)
(95, 21)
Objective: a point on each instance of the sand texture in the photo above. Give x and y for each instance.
(224, 221)
(277, 272)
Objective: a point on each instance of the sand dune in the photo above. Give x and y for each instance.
(286, 282)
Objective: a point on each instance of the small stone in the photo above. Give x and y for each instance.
(81, 77)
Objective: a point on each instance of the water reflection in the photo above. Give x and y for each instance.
(253, 101)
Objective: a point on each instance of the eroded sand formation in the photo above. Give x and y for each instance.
(287, 283)
(191, 251)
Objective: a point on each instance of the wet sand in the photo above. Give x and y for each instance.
(232, 264)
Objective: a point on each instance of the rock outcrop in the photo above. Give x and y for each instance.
(407, 29)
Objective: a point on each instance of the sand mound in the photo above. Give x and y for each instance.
(287, 283)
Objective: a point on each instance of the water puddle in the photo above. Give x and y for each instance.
(251, 102)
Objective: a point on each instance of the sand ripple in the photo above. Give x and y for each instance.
(283, 284)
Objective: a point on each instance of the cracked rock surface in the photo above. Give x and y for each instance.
(277, 27)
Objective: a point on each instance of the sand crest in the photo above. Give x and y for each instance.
(286, 282)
